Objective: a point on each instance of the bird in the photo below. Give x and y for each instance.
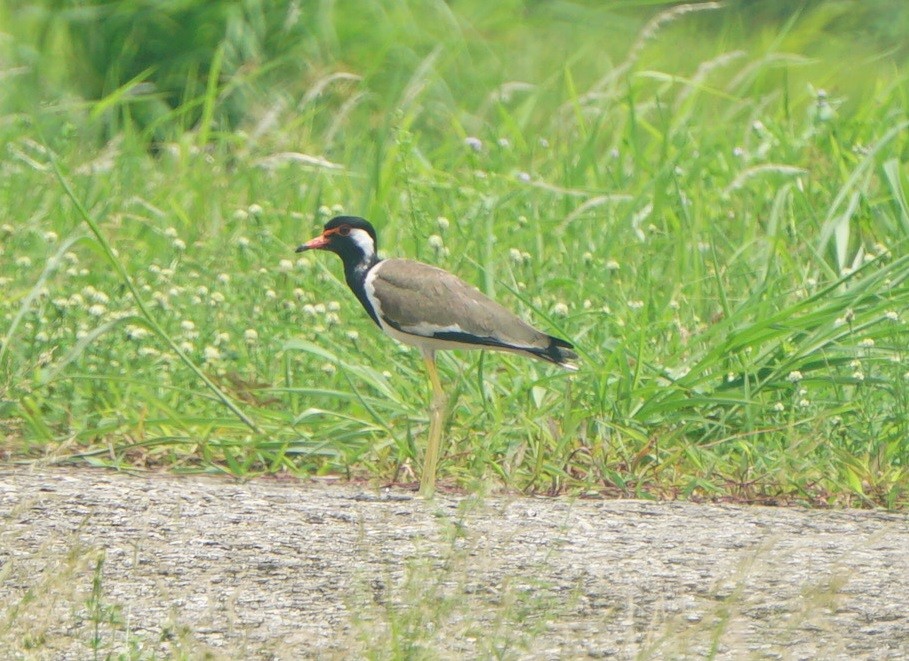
(429, 308)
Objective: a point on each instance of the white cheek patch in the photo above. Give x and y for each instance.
(363, 241)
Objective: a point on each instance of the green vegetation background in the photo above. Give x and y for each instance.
(709, 199)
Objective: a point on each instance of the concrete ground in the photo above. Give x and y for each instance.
(97, 563)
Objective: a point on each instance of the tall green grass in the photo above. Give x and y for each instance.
(710, 202)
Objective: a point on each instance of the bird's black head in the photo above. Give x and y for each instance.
(350, 237)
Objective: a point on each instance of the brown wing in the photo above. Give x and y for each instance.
(424, 300)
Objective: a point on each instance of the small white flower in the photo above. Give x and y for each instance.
(436, 243)
(179, 245)
(285, 266)
(41, 336)
(148, 352)
(804, 403)
(333, 306)
(332, 319)
(353, 335)
(186, 346)
(523, 177)
(612, 265)
(171, 233)
(309, 310)
(23, 261)
(324, 211)
(504, 143)
(867, 343)
(779, 407)
(794, 376)
(97, 310)
(858, 375)
(241, 215)
(329, 368)
(217, 298)
(255, 210)
(250, 336)
(635, 305)
(270, 294)
(560, 309)
(443, 223)
(223, 278)
(51, 237)
(892, 315)
(543, 142)
(211, 354)
(474, 143)
(187, 325)
(515, 256)
(242, 242)
(137, 333)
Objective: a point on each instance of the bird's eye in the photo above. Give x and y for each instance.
(344, 230)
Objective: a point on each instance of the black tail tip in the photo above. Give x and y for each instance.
(561, 353)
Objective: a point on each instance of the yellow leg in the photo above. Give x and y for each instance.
(436, 413)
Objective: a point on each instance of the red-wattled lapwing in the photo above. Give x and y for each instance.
(432, 309)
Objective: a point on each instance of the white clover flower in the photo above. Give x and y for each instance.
(473, 143)
(148, 352)
(504, 143)
(320, 308)
(515, 256)
(337, 209)
(329, 368)
(242, 242)
(794, 376)
(442, 223)
(804, 403)
(178, 245)
(270, 294)
(255, 210)
(211, 354)
(222, 337)
(186, 346)
(892, 315)
(612, 265)
(635, 305)
(309, 310)
(137, 333)
(187, 325)
(241, 215)
(23, 261)
(332, 319)
(223, 278)
(171, 233)
(324, 211)
(299, 293)
(866, 343)
(543, 142)
(50, 237)
(41, 336)
(858, 375)
(523, 177)
(560, 309)
(779, 407)
(352, 335)
(285, 266)
(217, 298)
(436, 243)
(250, 336)
(333, 306)
(97, 310)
